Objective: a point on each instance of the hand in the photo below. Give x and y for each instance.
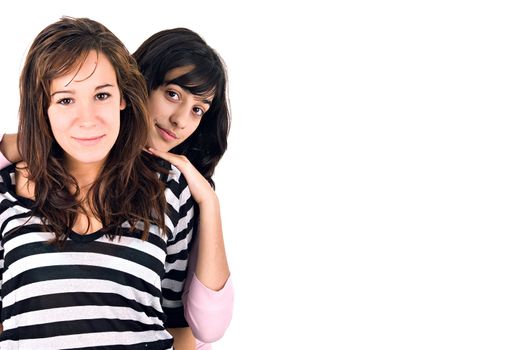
(200, 188)
(24, 187)
(9, 148)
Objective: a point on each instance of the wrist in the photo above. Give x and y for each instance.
(211, 202)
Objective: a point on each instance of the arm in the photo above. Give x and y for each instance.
(208, 295)
(212, 266)
(180, 218)
(7, 212)
(208, 312)
(2, 190)
(182, 338)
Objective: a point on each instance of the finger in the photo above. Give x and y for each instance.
(21, 170)
(21, 165)
(167, 156)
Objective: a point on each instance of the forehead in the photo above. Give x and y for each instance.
(178, 72)
(173, 75)
(94, 69)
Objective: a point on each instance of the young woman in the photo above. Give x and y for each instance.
(97, 259)
(188, 104)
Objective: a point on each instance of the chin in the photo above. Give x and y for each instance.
(90, 158)
(162, 145)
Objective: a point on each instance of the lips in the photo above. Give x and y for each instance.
(88, 141)
(166, 134)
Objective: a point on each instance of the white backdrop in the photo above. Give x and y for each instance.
(373, 193)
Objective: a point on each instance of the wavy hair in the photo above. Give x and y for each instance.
(180, 47)
(127, 189)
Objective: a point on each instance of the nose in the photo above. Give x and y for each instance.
(86, 113)
(181, 114)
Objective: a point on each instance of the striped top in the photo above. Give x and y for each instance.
(94, 293)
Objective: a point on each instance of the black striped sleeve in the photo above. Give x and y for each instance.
(181, 217)
(6, 202)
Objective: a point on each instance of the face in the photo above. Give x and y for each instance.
(84, 111)
(175, 112)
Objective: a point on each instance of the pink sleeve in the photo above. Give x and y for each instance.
(3, 160)
(208, 312)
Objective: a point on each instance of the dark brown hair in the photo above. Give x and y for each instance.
(127, 189)
(181, 47)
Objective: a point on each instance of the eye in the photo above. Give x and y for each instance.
(174, 95)
(102, 96)
(65, 101)
(198, 111)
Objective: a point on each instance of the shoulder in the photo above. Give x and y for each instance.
(8, 189)
(12, 207)
(7, 180)
(176, 176)
(177, 190)
(181, 208)
(172, 177)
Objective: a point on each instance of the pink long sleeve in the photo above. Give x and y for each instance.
(3, 160)
(208, 312)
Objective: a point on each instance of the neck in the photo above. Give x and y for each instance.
(84, 173)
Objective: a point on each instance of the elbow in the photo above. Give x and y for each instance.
(209, 313)
(209, 328)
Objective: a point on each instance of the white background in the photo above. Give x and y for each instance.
(373, 192)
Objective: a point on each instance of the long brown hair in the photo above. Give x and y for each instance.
(127, 189)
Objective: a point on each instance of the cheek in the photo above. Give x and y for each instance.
(58, 122)
(60, 130)
(153, 103)
(110, 116)
(194, 126)
(197, 122)
(160, 109)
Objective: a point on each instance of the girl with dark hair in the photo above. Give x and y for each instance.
(97, 258)
(184, 73)
(189, 110)
(186, 83)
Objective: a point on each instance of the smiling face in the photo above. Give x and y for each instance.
(84, 111)
(176, 113)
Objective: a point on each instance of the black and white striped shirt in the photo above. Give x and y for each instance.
(94, 293)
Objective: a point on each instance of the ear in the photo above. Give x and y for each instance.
(122, 104)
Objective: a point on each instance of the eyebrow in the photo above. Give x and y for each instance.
(172, 82)
(72, 91)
